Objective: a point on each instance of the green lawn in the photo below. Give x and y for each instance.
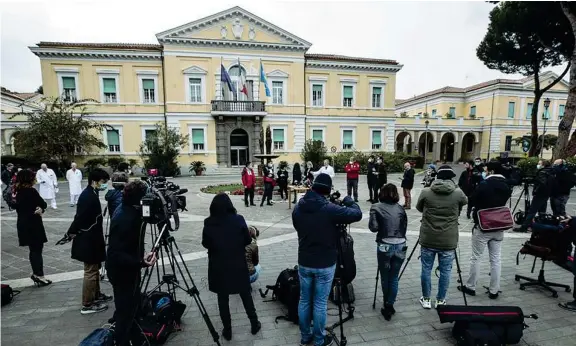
(222, 188)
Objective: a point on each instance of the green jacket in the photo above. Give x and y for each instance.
(440, 205)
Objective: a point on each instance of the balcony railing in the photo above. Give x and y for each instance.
(238, 106)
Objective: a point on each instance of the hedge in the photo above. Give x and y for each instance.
(25, 163)
(394, 161)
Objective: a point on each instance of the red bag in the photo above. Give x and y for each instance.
(495, 219)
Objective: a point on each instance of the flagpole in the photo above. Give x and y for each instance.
(238, 82)
(260, 79)
(221, 88)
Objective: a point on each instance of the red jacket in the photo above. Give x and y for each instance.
(248, 180)
(352, 170)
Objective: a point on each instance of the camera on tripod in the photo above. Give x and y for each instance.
(163, 200)
(335, 197)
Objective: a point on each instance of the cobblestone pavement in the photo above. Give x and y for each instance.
(50, 315)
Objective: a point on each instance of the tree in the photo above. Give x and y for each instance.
(550, 141)
(58, 131)
(566, 146)
(516, 42)
(40, 90)
(161, 150)
(314, 151)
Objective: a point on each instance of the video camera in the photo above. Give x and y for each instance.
(335, 197)
(162, 201)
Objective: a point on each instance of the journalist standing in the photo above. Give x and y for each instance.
(372, 179)
(565, 181)
(316, 221)
(249, 182)
(268, 174)
(225, 236)
(491, 193)
(352, 170)
(467, 183)
(282, 181)
(382, 173)
(408, 184)
(544, 184)
(29, 208)
(88, 244)
(440, 205)
(114, 195)
(389, 221)
(125, 259)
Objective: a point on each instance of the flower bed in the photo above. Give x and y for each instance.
(231, 188)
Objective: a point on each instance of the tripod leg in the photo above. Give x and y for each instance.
(343, 341)
(460, 276)
(409, 258)
(376, 287)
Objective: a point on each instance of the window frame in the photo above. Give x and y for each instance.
(144, 74)
(452, 115)
(353, 101)
(284, 129)
(513, 109)
(508, 145)
(473, 111)
(118, 128)
(372, 130)
(318, 128)
(191, 149)
(376, 83)
(323, 100)
(282, 88)
(194, 72)
(67, 72)
(434, 112)
(561, 114)
(197, 87)
(109, 74)
(347, 128)
(144, 128)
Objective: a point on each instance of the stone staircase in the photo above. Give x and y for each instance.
(223, 171)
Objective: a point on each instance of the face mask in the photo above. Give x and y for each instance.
(370, 160)
(483, 175)
(103, 187)
(538, 166)
(477, 162)
(270, 165)
(351, 162)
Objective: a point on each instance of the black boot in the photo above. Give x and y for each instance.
(227, 333)
(256, 326)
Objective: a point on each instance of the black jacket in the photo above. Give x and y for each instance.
(296, 176)
(315, 219)
(125, 243)
(388, 220)
(29, 225)
(7, 176)
(467, 182)
(114, 199)
(490, 193)
(88, 246)
(545, 182)
(382, 175)
(565, 181)
(226, 239)
(371, 177)
(282, 177)
(408, 179)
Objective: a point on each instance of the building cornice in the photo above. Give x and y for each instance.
(100, 54)
(200, 42)
(333, 65)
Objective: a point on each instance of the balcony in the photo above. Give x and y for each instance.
(226, 107)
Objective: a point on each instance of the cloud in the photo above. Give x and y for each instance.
(435, 41)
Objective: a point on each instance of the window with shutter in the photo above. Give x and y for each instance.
(318, 135)
(376, 97)
(452, 112)
(317, 95)
(376, 139)
(113, 138)
(348, 95)
(109, 90)
(68, 89)
(278, 139)
(529, 111)
(148, 90)
(511, 106)
(198, 139)
(561, 109)
(347, 139)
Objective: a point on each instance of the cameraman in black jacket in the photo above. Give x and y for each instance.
(565, 181)
(544, 184)
(125, 260)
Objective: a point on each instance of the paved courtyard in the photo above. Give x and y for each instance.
(50, 315)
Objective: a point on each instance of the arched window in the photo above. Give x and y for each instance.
(234, 72)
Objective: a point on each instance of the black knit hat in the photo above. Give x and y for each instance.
(445, 172)
(322, 184)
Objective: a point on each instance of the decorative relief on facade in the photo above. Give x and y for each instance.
(224, 31)
(252, 33)
(237, 28)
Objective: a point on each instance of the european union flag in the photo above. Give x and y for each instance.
(225, 77)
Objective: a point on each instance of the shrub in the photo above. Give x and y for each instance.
(94, 163)
(197, 167)
(571, 163)
(315, 152)
(394, 161)
(528, 166)
(114, 161)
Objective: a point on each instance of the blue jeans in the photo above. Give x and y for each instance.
(315, 286)
(445, 259)
(254, 276)
(390, 259)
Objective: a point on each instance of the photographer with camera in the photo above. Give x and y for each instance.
(544, 184)
(318, 222)
(493, 192)
(440, 205)
(565, 181)
(125, 259)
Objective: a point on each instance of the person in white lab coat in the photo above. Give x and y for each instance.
(48, 183)
(326, 169)
(74, 177)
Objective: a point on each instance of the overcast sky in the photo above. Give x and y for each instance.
(435, 41)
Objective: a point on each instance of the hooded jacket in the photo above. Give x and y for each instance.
(315, 220)
(440, 205)
(491, 193)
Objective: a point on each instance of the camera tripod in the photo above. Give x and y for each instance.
(520, 215)
(103, 269)
(406, 265)
(164, 243)
(338, 285)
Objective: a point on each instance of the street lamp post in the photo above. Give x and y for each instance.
(545, 116)
(426, 143)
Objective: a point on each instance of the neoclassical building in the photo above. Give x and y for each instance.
(346, 102)
(481, 120)
(12, 103)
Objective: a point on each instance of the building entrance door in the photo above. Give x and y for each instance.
(239, 153)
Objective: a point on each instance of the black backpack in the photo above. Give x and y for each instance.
(159, 316)
(287, 291)
(348, 273)
(7, 294)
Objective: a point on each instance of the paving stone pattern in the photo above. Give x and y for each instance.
(50, 315)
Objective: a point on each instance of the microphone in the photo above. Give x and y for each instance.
(181, 191)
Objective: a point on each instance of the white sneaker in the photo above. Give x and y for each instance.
(425, 302)
(439, 302)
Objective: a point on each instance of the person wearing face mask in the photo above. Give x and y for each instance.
(544, 184)
(565, 181)
(352, 170)
(88, 244)
(382, 173)
(408, 184)
(326, 169)
(48, 182)
(372, 179)
(249, 181)
(282, 181)
(268, 174)
(467, 184)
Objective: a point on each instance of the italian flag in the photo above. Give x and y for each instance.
(242, 81)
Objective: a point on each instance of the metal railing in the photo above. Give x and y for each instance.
(238, 106)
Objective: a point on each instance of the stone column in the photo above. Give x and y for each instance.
(255, 145)
(415, 143)
(458, 145)
(221, 142)
(437, 146)
(477, 146)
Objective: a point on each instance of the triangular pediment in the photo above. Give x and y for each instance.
(546, 78)
(277, 73)
(234, 26)
(194, 70)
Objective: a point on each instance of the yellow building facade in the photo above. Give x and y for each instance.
(454, 124)
(346, 102)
